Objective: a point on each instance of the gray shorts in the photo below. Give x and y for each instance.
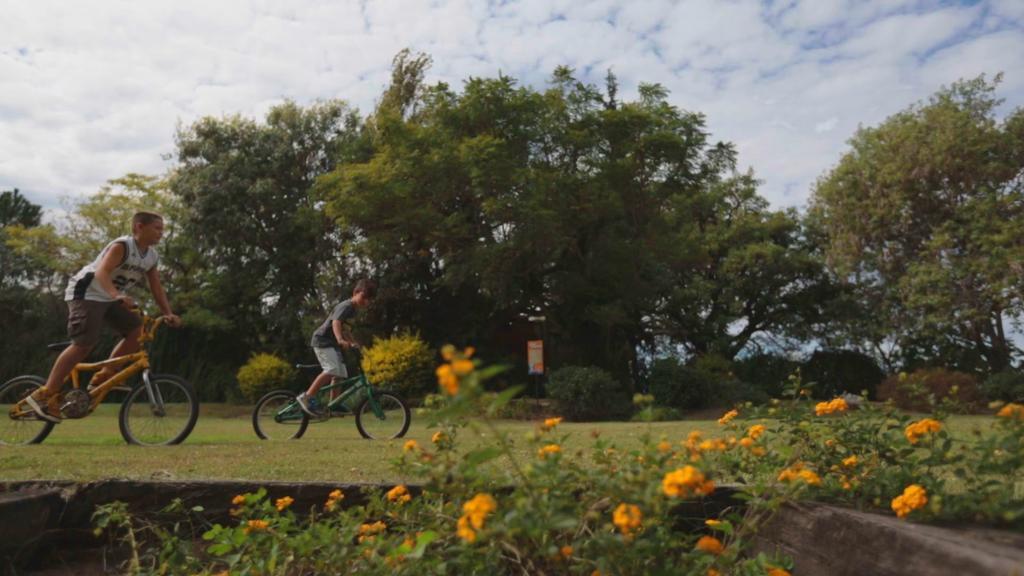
(86, 317)
(331, 361)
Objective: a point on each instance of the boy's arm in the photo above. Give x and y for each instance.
(339, 334)
(110, 261)
(153, 276)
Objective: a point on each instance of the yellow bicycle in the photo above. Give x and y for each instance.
(160, 409)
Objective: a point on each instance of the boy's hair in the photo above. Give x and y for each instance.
(145, 218)
(367, 287)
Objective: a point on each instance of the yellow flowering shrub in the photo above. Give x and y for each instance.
(404, 363)
(263, 373)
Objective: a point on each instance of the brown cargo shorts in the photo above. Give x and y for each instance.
(86, 317)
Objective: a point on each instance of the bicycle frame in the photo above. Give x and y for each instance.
(352, 385)
(133, 364)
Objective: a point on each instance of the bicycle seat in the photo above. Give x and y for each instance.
(302, 366)
(58, 346)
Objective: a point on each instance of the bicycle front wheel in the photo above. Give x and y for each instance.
(277, 416)
(390, 419)
(161, 414)
(19, 424)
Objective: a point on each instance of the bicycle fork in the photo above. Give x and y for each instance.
(156, 401)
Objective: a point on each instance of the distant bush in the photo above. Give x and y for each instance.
(1007, 386)
(836, 371)
(766, 372)
(678, 386)
(263, 373)
(930, 388)
(588, 393)
(403, 363)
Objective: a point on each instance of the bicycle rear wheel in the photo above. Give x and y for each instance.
(392, 422)
(20, 425)
(277, 416)
(162, 418)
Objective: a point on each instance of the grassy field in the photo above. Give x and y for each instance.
(223, 446)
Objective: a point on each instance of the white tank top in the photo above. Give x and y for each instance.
(131, 270)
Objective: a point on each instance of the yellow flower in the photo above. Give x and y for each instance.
(399, 494)
(238, 500)
(758, 451)
(798, 472)
(755, 431)
(664, 446)
(332, 500)
(369, 531)
(684, 481)
(438, 437)
(447, 379)
(710, 544)
(913, 497)
(478, 508)
(746, 442)
(463, 530)
(850, 462)
(713, 572)
(282, 503)
(256, 526)
(916, 430)
(550, 423)
(462, 367)
(830, 442)
(778, 572)
(831, 407)
(565, 551)
(548, 450)
(728, 416)
(410, 446)
(1012, 411)
(713, 523)
(627, 518)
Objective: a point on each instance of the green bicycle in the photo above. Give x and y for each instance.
(379, 415)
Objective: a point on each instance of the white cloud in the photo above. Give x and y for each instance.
(90, 91)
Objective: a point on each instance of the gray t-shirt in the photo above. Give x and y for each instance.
(323, 337)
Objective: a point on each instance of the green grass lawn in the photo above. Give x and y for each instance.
(223, 446)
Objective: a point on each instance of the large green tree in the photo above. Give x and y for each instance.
(619, 221)
(924, 217)
(245, 187)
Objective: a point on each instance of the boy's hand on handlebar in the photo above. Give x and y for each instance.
(172, 320)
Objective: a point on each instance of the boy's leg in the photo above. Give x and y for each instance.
(319, 382)
(84, 320)
(129, 324)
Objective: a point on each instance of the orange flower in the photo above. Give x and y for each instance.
(850, 462)
(238, 500)
(664, 446)
(917, 430)
(410, 446)
(728, 416)
(256, 526)
(282, 503)
(798, 472)
(565, 551)
(778, 572)
(684, 481)
(474, 514)
(447, 379)
(755, 431)
(627, 518)
(913, 497)
(710, 544)
(332, 500)
(399, 494)
(1012, 411)
(831, 407)
(550, 423)
(549, 450)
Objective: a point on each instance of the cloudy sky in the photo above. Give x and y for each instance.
(91, 90)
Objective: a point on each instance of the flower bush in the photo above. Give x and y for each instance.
(403, 362)
(607, 510)
(263, 373)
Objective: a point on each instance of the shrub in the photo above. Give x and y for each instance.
(836, 371)
(678, 386)
(731, 392)
(1007, 386)
(930, 388)
(587, 393)
(766, 372)
(263, 373)
(403, 363)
